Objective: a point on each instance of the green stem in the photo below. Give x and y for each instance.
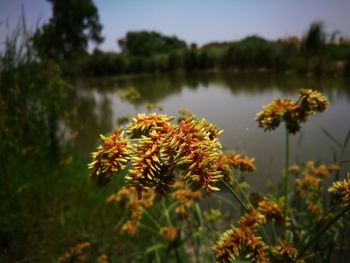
(228, 187)
(151, 218)
(149, 228)
(323, 230)
(245, 207)
(166, 212)
(285, 185)
(274, 234)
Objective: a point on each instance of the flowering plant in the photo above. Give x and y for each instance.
(170, 168)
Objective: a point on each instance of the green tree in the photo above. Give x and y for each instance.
(315, 38)
(145, 43)
(73, 24)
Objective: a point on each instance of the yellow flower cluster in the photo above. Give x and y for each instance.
(159, 151)
(110, 157)
(75, 254)
(285, 252)
(196, 149)
(341, 190)
(134, 204)
(228, 161)
(244, 240)
(309, 185)
(236, 240)
(293, 113)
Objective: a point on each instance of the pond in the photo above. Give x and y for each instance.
(230, 101)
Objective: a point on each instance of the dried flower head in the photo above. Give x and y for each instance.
(75, 254)
(312, 101)
(238, 243)
(312, 178)
(144, 124)
(271, 210)
(111, 157)
(341, 190)
(293, 113)
(170, 233)
(197, 150)
(252, 219)
(271, 115)
(285, 252)
(151, 168)
(160, 151)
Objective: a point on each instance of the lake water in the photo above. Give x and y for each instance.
(231, 102)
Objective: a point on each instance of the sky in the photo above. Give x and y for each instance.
(197, 21)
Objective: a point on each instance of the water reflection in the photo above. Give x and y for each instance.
(230, 101)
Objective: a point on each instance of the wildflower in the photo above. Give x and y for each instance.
(75, 253)
(271, 210)
(144, 124)
(197, 150)
(312, 101)
(293, 113)
(315, 208)
(271, 115)
(169, 233)
(111, 157)
(238, 243)
(308, 182)
(134, 204)
(285, 252)
(185, 199)
(341, 190)
(252, 219)
(151, 168)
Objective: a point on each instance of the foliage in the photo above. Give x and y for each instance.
(67, 34)
(152, 52)
(144, 43)
(314, 39)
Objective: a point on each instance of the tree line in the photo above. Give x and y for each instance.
(74, 24)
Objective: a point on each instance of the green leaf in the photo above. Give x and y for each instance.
(154, 248)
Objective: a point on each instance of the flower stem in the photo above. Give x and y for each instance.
(285, 183)
(245, 208)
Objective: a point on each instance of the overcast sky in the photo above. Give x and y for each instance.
(198, 21)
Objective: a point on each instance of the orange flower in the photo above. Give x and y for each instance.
(169, 233)
(285, 252)
(135, 206)
(144, 124)
(75, 253)
(293, 113)
(185, 199)
(111, 157)
(197, 150)
(271, 210)
(341, 190)
(240, 242)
